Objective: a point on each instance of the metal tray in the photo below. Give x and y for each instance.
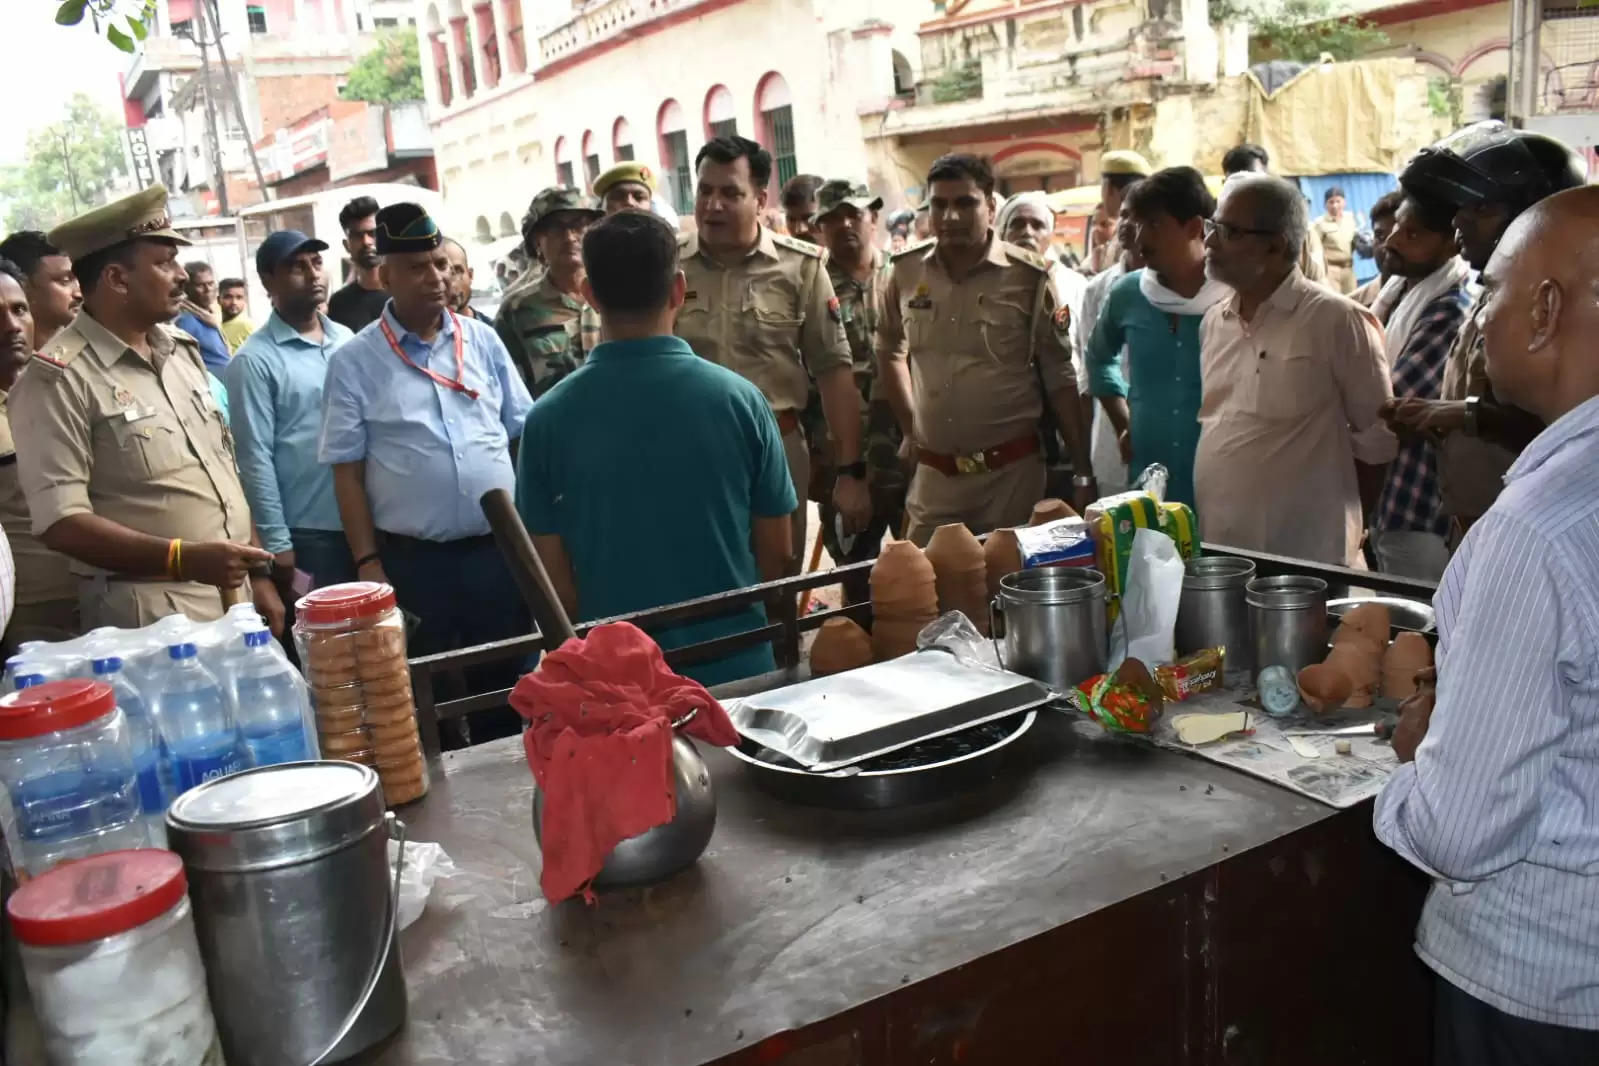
(1403, 613)
(830, 722)
(883, 783)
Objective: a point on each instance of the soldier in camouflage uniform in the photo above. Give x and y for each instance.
(846, 221)
(541, 318)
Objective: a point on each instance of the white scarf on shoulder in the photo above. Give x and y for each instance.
(1164, 299)
(1401, 302)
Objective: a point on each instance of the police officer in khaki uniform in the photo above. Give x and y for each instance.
(46, 601)
(124, 456)
(541, 317)
(761, 304)
(969, 348)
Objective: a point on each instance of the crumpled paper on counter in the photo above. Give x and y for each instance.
(424, 864)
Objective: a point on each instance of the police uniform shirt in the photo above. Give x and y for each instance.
(972, 344)
(42, 575)
(772, 318)
(142, 443)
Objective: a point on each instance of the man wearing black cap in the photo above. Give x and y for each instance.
(123, 452)
(275, 393)
(418, 417)
(1491, 174)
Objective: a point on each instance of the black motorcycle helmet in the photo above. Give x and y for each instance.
(1490, 162)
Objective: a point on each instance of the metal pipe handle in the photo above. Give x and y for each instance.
(396, 832)
(526, 567)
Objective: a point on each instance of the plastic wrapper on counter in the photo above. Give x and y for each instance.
(1127, 700)
(1063, 542)
(954, 632)
(1192, 674)
(424, 864)
(1146, 626)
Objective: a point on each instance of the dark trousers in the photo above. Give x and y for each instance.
(1468, 1032)
(324, 554)
(463, 595)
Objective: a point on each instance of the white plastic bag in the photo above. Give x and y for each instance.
(424, 863)
(1148, 621)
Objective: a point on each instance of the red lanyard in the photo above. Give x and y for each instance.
(455, 383)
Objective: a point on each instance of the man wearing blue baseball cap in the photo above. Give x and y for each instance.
(275, 392)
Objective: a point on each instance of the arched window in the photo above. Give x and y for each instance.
(904, 79)
(441, 55)
(460, 31)
(621, 141)
(675, 161)
(564, 175)
(719, 118)
(507, 224)
(591, 159)
(775, 109)
(484, 233)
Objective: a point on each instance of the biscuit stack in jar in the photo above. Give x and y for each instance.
(351, 640)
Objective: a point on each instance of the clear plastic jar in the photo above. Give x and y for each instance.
(110, 955)
(71, 786)
(351, 641)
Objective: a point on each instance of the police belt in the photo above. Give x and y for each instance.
(989, 459)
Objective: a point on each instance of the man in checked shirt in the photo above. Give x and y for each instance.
(1423, 306)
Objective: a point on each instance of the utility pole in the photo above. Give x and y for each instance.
(66, 162)
(215, 19)
(220, 177)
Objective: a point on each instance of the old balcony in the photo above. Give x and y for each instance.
(603, 20)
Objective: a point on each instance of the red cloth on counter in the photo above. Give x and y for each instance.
(600, 746)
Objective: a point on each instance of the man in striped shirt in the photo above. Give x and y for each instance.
(1495, 797)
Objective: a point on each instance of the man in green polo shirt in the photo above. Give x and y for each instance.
(650, 476)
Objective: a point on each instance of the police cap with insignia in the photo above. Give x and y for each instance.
(836, 193)
(633, 171)
(1123, 161)
(406, 227)
(140, 216)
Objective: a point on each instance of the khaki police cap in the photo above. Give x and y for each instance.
(1123, 161)
(144, 214)
(555, 199)
(838, 192)
(633, 171)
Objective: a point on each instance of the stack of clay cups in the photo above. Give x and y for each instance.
(351, 640)
(961, 573)
(1002, 556)
(904, 598)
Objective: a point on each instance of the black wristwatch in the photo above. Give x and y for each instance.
(1471, 425)
(856, 470)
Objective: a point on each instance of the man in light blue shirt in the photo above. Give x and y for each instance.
(275, 387)
(419, 414)
(1496, 794)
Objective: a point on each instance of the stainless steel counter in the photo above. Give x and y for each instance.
(795, 916)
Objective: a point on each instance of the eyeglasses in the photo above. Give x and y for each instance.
(1230, 232)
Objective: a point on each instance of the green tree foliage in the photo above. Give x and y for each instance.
(124, 22)
(69, 167)
(964, 82)
(389, 74)
(1302, 30)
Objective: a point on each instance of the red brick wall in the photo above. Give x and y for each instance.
(316, 179)
(285, 99)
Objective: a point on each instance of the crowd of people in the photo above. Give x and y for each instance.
(664, 404)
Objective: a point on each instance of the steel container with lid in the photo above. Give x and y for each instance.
(1288, 621)
(289, 873)
(1052, 623)
(108, 948)
(1213, 612)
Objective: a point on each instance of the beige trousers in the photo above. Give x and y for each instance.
(131, 604)
(985, 502)
(798, 454)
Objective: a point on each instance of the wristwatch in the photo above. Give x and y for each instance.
(856, 470)
(1083, 481)
(1471, 424)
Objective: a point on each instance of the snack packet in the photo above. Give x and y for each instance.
(1191, 674)
(1126, 701)
(1063, 542)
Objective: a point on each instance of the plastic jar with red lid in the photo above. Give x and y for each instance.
(71, 787)
(112, 963)
(351, 640)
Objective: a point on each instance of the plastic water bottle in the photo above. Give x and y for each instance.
(143, 738)
(269, 703)
(192, 713)
(26, 666)
(29, 680)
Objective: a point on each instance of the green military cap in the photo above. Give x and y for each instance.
(555, 199)
(405, 227)
(838, 192)
(144, 214)
(1124, 161)
(633, 171)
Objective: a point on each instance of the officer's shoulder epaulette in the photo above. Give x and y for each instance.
(178, 334)
(1022, 255)
(683, 239)
(783, 240)
(920, 246)
(62, 350)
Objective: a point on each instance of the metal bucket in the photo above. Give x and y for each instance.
(294, 907)
(1052, 622)
(1214, 612)
(1288, 621)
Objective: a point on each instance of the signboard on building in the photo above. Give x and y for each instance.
(139, 157)
(300, 147)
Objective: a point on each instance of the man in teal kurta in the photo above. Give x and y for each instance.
(1156, 313)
